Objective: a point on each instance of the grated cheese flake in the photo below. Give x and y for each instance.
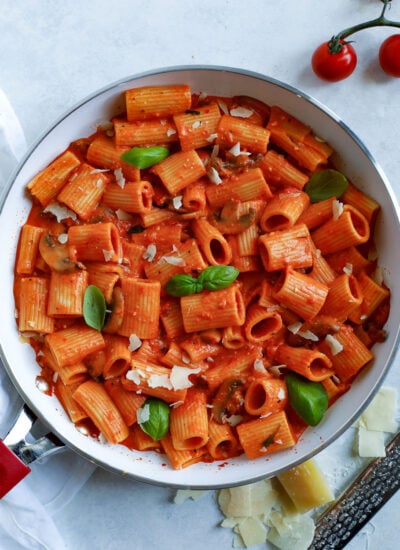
(241, 112)
(337, 209)
(234, 419)
(235, 150)
(177, 202)
(211, 138)
(179, 377)
(258, 366)
(308, 335)
(63, 238)
(150, 253)
(108, 254)
(119, 177)
(134, 342)
(213, 176)
(143, 414)
(222, 105)
(348, 269)
(334, 345)
(295, 327)
(172, 260)
(59, 211)
(159, 381)
(122, 215)
(133, 376)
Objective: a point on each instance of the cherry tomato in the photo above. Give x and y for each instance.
(389, 55)
(334, 62)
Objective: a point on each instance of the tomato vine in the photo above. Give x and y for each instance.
(336, 59)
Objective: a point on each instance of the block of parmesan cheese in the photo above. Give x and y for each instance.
(306, 486)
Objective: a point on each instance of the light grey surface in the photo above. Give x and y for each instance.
(54, 52)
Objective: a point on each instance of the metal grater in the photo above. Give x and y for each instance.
(358, 504)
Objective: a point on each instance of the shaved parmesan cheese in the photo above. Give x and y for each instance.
(241, 112)
(337, 209)
(143, 414)
(214, 176)
(348, 269)
(122, 215)
(177, 202)
(60, 212)
(258, 366)
(102, 439)
(159, 381)
(42, 384)
(222, 105)
(172, 260)
(254, 499)
(133, 376)
(171, 132)
(63, 238)
(119, 177)
(196, 124)
(150, 253)
(211, 138)
(289, 532)
(276, 369)
(308, 335)
(235, 150)
(334, 345)
(179, 377)
(99, 170)
(370, 443)
(134, 342)
(108, 254)
(380, 414)
(295, 327)
(234, 419)
(252, 531)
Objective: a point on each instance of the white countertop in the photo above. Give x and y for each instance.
(55, 52)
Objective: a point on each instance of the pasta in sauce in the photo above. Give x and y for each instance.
(230, 191)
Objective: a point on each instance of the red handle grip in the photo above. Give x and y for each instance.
(12, 469)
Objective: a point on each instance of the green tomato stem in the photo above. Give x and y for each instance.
(335, 44)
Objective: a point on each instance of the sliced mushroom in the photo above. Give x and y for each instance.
(232, 220)
(56, 254)
(115, 318)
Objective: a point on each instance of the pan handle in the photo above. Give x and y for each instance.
(29, 451)
(16, 452)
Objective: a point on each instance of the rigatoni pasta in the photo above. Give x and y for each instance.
(199, 281)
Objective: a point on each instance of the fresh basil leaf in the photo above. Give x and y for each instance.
(144, 157)
(182, 285)
(94, 307)
(153, 418)
(326, 184)
(217, 277)
(308, 399)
